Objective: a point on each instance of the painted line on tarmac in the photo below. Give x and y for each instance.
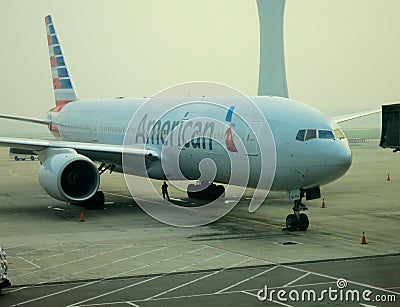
(140, 282)
(312, 272)
(197, 279)
(95, 267)
(297, 279)
(21, 176)
(30, 262)
(253, 221)
(178, 199)
(15, 246)
(76, 260)
(107, 278)
(245, 280)
(241, 254)
(277, 302)
(202, 261)
(340, 238)
(396, 287)
(132, 304)
(120, 195)
(118, 260)
(39, 249)
(68, 252)
(200, 295)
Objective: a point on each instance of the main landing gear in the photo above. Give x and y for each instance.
(297, 220)
(96, 202)
(205, 190)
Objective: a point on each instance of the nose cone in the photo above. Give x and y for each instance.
(338, 157)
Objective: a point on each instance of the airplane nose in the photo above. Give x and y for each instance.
(338, 154)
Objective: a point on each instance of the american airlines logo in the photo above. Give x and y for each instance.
(195, 134)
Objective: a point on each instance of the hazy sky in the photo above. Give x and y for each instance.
(341, 56)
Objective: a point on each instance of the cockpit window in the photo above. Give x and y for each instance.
(306, 134)
(339, 133)
(300, 135)
(326, 134)
(311, 134)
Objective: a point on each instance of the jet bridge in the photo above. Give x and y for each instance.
(390, 135)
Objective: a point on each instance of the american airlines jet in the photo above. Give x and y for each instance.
(311, 149)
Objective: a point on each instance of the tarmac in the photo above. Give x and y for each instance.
(122, 256)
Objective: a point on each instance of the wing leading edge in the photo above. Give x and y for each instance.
(347, 117)
(27, 119)
(97, 152)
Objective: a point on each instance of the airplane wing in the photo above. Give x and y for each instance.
(97, 152)
(344, 118)
(27, 119)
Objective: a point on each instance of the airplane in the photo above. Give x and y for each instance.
(311, 149)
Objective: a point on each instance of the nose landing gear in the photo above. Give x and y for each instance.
(297, 220)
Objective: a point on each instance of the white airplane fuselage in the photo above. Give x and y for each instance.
(299, 163)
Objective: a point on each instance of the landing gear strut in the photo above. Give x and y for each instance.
(205, 191)
(297, 220)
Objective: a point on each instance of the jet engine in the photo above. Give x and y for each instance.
(69, 177)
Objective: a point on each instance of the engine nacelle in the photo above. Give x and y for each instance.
(69, 176)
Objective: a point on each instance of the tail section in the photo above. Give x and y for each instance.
(63, 89)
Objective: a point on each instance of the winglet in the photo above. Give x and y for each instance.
(63, 89)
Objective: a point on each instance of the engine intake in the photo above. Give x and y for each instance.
(69, 177)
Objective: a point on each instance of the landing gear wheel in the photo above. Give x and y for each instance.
(220, 191)
(298, 221)
(303, 222)
(291, 222)
(191, 192)
(205, 191)
(96, 202)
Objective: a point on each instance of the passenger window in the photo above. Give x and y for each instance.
(300, 135)
(326, 134)
(311, 134)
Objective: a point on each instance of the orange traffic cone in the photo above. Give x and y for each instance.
(323, 203)
(82, 217)
(363, 240)
(388, 178)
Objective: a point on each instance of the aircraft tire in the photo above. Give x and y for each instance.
(191, 191)
(212, 192)
(291, 222)
(96, 202)
(220, 191)
(303, 222)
